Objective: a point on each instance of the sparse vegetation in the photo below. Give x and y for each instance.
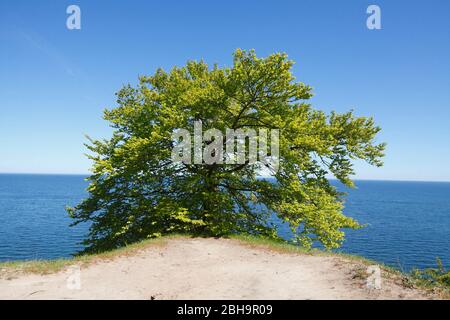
(433, 276)
(51, 266)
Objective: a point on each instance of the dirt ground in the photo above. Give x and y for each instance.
(205, 268)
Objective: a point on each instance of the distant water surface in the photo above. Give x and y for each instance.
(33, 221)
(408, 223)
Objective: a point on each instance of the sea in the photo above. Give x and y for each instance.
(407, 224)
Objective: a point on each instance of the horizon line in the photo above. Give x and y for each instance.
(88, 174)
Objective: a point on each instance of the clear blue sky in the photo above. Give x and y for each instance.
(54, 82)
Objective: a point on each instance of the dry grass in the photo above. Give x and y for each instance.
(11, 269)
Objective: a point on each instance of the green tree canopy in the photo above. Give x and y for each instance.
(137, 191)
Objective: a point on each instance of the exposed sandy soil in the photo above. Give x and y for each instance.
(210, 269)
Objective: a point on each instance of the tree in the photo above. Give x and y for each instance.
(137, 191)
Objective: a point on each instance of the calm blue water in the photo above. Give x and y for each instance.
(408, 222)
(33, 220)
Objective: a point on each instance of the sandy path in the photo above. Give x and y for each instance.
(207, 269)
